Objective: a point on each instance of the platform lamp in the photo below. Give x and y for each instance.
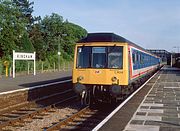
(59, 53)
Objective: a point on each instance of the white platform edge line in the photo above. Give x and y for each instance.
(34, 87)
(121, 105)
(139, 109)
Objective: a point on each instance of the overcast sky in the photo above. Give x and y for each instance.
(152, 24)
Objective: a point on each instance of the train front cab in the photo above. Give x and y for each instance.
(94, 72)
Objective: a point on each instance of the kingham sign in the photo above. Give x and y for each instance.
(23, 56)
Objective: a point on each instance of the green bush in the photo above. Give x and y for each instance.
(66, 56)
(1, 67)
(48, 64)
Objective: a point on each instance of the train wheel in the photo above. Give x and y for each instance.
(131, 89)
(85, 98)
(135, 85)
(95, 93)
(92, 99)
(125, 92)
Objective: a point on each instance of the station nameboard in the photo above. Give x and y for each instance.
(23, 56)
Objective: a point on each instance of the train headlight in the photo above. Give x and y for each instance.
(80, 78)
(114, 79)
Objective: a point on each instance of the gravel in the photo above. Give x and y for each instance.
(46, 119)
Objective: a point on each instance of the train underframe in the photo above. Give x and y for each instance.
(108, 94)
(92, 94)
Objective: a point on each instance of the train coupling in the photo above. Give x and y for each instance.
(79, 88)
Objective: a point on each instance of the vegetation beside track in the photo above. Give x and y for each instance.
(23, 32)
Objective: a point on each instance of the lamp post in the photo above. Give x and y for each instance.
(59, 53)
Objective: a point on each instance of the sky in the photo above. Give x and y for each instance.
(152, 24)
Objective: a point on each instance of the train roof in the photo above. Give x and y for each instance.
(102, 37)
(106, 37)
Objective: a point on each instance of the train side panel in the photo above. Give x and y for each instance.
(141, 63)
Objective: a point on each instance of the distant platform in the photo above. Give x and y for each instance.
(10, 84)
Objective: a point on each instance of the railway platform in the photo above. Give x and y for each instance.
(10, 84)
(155, 107)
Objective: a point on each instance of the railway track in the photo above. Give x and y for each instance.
(85, 119)
(29, 110)
(72, 118)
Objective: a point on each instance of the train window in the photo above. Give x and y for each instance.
(134, 57)
(142, 58)
(98, 57)
(139, 57)
(115, 57)
(83, 57)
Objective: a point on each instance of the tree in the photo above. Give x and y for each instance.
(12, 27)
(53, 28)
(26, 8)
(19, 31)
(75, 33)
(26, 43)
(37, 38)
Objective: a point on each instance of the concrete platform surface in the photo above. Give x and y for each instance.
(28, 81)
(158, 107)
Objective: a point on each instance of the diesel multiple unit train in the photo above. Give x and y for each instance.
(108, 67)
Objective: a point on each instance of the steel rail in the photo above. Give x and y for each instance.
(69, 119)
(36, 112)
(30, 103)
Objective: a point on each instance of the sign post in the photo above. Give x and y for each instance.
(34, 63)
(23, 56)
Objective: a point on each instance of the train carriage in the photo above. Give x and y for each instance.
(108, 67)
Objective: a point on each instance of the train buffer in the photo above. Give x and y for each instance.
(156, 107)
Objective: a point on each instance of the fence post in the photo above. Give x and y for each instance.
(42, 67)
(28, 68)
(0, 71)
(64, 66)
(10, 71)
(69, 66)
(54, 66)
